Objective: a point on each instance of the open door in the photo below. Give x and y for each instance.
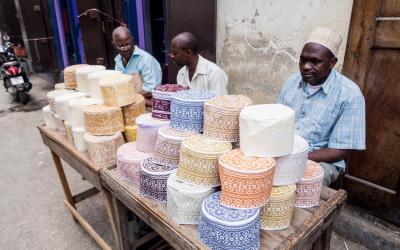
(197, 17)
(373, 61)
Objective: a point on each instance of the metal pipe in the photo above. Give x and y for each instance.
(370, 184)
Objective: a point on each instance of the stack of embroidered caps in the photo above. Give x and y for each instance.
(198, 162)
(196, 177)
(76, 109)
(154, 171)
(221, 117)
(309, 187)
(157, 137)
(247, 175)
(51, 117)
(222, 227)
(105, 122)
(277, 213)
(162, 95)
(118, 90)
(153, 176)
(82, 74)
(187, 110)
(129, 161)
(246, 181)
(164, 142)
(168, 144)
(63, 110)
(185, 199)
(147, 130)
(70, 76)
(290, 168)
(94, 78)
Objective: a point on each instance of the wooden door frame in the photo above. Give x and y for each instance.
(357, 64)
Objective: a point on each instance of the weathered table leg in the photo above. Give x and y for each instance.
(324, 241)
(63, 180)
(118, 218)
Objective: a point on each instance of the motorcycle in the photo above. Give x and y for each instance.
(15, 79)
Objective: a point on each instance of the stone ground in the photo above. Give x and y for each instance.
(32, 214)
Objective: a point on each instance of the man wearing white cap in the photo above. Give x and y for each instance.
(329, 108)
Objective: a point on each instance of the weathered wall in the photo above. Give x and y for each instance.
(259, 41)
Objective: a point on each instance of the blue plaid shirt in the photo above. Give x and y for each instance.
(143, 63)
(332, 117)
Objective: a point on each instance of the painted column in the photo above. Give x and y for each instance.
(75, 31)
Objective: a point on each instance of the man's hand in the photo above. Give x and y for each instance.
(147, 98)
(328, 155)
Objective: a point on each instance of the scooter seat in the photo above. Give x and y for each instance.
(7, 64)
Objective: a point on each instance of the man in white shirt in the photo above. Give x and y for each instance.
(197, 72)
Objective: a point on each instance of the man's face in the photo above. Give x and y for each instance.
(124, 44)
(316, 62)
(179, 55)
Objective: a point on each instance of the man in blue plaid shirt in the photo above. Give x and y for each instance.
(329, 108)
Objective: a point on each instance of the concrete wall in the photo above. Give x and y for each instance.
(259, 41)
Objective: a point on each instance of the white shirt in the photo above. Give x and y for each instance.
(207, 77)
(312, 89)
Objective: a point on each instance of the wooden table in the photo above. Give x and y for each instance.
(60, 147)
(310, 228)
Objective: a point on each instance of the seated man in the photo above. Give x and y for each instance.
(197, 72)
(329, 108)
(132, 60)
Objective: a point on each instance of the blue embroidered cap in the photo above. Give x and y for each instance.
(222, 227)
(187, 110)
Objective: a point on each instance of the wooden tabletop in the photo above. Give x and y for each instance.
(60, 145)
(307, 224)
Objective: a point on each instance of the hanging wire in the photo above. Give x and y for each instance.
(102, 13)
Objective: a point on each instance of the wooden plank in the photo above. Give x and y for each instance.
(61, 147)
(355, 65)
(115, 221)
(323, 242)
(75, 159)
(63, 180)
(374, 39)
(273, 239)
(122, 222)
(148, 237)
(85, 194)
(152, 213)
(387, 34)
(87, 227)
(309, 230)
(389, 8)
(66, 145)
(304, 224)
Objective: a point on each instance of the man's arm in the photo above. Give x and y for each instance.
(328, 155)
(151, 77)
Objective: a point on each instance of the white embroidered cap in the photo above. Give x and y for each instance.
(327, 38)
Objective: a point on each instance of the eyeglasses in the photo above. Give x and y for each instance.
(124, 47)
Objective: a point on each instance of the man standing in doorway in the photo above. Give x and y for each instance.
(329, 108)
(132, 60)
(197, 72)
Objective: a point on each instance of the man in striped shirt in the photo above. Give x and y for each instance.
(329, 108)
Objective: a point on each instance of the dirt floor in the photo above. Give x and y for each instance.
(32, 214)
